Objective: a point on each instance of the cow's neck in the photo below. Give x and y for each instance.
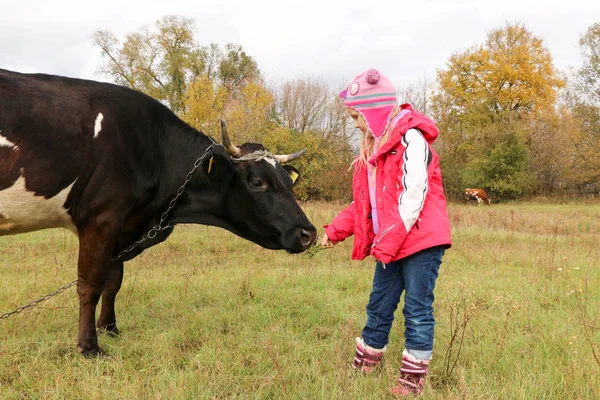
(184, 148)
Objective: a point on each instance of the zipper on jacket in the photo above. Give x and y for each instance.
(417, 223)
(382, 235)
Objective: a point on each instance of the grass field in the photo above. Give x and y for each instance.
(208, 315)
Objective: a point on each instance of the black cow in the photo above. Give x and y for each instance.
(108, 162)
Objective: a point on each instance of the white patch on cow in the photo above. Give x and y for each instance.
(23, 211)
(98, 125)
(7, 143)
(270, 161)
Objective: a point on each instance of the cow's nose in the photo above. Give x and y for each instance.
(307, 238)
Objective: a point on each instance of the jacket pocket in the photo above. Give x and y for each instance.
(383, 234)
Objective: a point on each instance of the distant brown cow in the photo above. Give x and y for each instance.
(475, 194)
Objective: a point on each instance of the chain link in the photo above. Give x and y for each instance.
(36, 302)
(159, 227)
(151, 234)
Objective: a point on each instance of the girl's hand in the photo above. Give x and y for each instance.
(325, 242)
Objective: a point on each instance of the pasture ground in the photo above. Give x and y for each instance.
(208, 315)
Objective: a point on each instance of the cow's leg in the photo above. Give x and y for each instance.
(96, 245)
(107, 320)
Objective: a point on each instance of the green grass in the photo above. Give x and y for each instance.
(208, 315)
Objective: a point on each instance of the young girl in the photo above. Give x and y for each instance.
(398, 216)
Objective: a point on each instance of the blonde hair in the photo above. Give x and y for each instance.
(367, 144)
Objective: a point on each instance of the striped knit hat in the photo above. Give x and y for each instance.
(373, 95)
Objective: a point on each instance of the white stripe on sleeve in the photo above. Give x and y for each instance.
(414, 181)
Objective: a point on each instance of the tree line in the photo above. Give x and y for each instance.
(509, 121)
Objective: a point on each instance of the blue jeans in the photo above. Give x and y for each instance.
(414, 275)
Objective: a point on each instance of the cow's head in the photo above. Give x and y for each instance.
(254, 196)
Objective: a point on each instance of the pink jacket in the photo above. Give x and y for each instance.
(411, 206)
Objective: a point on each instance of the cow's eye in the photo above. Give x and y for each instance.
(257, 183)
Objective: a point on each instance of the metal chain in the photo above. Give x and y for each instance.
(158, 227)
(36, 302)
(151, 234)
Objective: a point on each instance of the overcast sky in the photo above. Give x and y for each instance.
(331, 40)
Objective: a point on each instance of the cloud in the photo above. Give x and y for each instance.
(331, 40)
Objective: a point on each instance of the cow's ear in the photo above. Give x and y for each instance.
(217, 166)
(294, 173)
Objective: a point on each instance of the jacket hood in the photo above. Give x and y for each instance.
(411, 119)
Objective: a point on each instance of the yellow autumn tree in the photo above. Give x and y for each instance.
(204, 105)
(489, 99)
(512, 72)
(253, 116)
(250, 113)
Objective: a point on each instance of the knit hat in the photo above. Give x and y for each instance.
(373, 95)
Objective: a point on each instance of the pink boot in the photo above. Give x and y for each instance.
(412, 375)
(367, 358)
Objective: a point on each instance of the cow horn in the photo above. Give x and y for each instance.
(234, 151)
(289, 157)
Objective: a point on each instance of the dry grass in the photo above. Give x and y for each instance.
(208, 315)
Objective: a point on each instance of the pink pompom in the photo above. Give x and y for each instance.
(372, 76)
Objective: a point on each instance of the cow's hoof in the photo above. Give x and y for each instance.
(111, 330)
(95, 352)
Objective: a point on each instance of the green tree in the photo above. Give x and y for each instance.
(159, 62)
(165, 60)
(506, 169)
(325, 173)
(236, 68)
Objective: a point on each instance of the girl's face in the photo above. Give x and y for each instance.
(358, 119)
